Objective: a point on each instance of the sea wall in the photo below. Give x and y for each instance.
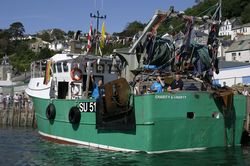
(17, 114)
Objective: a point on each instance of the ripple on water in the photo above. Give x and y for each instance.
(24, 147)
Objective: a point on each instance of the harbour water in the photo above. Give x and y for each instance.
(24, 147)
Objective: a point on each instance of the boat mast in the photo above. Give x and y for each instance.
(97, 17)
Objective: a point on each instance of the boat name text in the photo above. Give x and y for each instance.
(170, 97)
(87, 107)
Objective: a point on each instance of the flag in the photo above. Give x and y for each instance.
(47, 73)
(103, 36)
(89, 39)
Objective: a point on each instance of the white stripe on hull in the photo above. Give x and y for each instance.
(100, 146)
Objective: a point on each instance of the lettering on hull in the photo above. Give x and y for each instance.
(159, 97)
(87, 107)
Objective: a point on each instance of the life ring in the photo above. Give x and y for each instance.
(51, 111)
(76, 74)
(74, 115)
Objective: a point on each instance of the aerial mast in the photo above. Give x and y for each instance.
(97, 17)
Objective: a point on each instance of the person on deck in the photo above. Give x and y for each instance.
(176, 84)
(245, 91)
(137, 86)
(74, 91)
(157, 85)
(97, 88)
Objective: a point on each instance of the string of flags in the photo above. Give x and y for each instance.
(91, 38)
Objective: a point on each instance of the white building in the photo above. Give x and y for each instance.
(57, 46)
(239, 50)
(233, 73)
(239, 31)
(223, 47)
(227, 26)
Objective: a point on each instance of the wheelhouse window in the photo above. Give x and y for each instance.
(59, 67)
(54, 68)
(65, 67)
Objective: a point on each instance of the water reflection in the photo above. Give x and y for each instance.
(21, 146)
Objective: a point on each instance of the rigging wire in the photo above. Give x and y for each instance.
(205, 11)
(102, 4)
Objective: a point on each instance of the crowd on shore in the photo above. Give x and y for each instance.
(18, 101)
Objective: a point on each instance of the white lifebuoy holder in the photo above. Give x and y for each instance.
(100, 68)
(76, 74)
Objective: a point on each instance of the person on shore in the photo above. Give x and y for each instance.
(16, 100)
(1, 99)
(97, 88)
(20, 100)
(8, 100)
(157, 86)
(176, 84)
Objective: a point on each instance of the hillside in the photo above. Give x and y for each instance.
(230, 9)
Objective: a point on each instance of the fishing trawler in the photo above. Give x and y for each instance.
(121, 120)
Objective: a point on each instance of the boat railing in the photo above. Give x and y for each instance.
(38, 69)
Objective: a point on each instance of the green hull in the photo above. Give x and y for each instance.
(164, 122)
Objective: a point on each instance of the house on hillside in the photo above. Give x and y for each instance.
(58, 46)
(38, 45)
(239, 50)
(223, 47)
(226, 28)
(233, 73)
(239, 31)
(200, 37)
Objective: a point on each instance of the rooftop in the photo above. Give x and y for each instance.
(243, 43)
(232, 64)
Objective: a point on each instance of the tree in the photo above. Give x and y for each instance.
(71, 34)
(4, 41)
(45, 36)
(245, 15)
(45, 53)
(57, 34)
(131, 29)
(16, 30)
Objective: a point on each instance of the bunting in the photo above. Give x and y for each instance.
(103, 36)
(89, 39)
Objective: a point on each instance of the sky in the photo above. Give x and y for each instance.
(37, 15)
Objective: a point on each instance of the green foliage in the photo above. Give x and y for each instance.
(16, 30)
(45, 53)
(45, 36)
(4, 41)
(131, 29)
(200, 8)
(22, 57)
(70, 34)
(245, 15)
(109, 48)
(57, 34)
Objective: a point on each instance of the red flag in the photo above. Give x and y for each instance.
(89, 38)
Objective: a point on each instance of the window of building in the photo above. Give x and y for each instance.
(233, 56)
